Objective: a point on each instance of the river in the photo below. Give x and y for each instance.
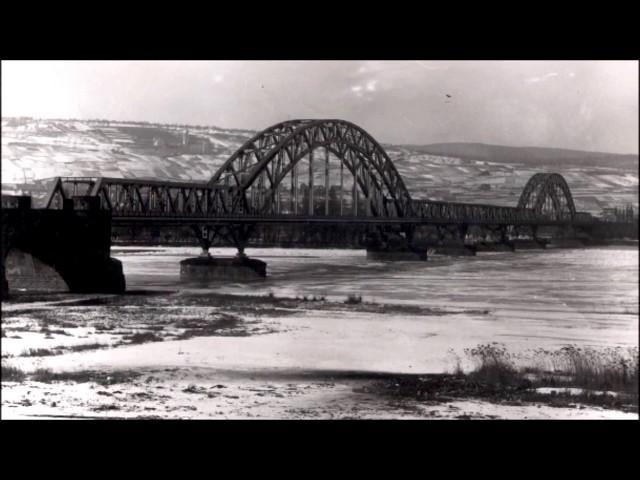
(583, 295)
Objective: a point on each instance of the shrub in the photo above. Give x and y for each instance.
(45, 375)
(142, 337)
(603, 369)
(39, 352)
(12, 374)
(353, 299)
(494, 364)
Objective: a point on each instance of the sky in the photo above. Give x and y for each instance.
(585, 105)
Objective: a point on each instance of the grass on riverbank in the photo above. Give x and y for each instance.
(12, 374)
(606, 369)
(566, 377)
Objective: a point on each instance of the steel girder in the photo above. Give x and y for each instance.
(472, 213)
(246, 186)
(549, 195)
(132, 197)
(265, 160)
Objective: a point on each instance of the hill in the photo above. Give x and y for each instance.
(531, 155)
(35, 149)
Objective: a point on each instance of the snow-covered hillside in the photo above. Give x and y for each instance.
(36, 149)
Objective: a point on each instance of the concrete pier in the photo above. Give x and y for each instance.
(236, 269)
(565, 243)
(396, 255)
(529, 244)
(455, 250)
(495, 247)
(45, 249)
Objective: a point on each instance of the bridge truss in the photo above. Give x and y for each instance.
(321, 171)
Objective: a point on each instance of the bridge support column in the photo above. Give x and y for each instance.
(206, 268)
(496, 239)
(74, 243)
(451, 241)
(567, 237)
(533, 242)
(5, 285)
(394, 246)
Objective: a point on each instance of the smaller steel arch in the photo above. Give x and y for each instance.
(548, 186)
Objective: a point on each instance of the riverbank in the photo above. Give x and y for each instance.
(159, 354)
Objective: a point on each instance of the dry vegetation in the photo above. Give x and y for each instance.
(572, 375)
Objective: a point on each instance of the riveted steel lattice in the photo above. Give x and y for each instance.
(548, 195)
(259, 167)
(264, 181)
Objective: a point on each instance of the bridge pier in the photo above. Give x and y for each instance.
(387, 246)
(205, 267)
(494, 238)
(531, 240)
(73, 244)
(451, 241)
(234, 269)
(390, 255)
(5, 285)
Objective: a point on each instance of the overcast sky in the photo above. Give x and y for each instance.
(582, 105)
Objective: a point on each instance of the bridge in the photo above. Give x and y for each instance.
(352, 179)
(308, 172)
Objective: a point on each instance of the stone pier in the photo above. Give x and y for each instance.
(566, 243)
(455, 250)
(235, 269)
(71, 247)
(536, 244)
(389, 255)
(505, 246)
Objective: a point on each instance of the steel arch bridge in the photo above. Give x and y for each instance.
(260, 166)
(277, 177)
(548, 194)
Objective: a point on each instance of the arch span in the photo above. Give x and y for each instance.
(24, 270)
(548, 194)
(260, 166)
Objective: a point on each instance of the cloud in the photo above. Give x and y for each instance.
(361, 90)
(542, 78)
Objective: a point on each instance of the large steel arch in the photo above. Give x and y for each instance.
(548, 193)
(267, 158)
